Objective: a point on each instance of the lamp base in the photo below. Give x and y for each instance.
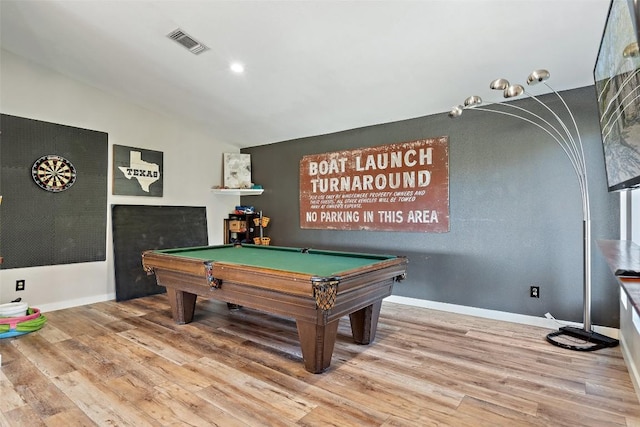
(593, 340)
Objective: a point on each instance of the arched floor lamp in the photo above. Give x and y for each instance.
(571, 143)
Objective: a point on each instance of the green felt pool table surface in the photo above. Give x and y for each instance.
(321, 263)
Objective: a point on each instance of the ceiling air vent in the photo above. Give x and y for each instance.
(187, 41)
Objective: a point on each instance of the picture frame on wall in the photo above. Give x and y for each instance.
(237, 170)
(137, 172)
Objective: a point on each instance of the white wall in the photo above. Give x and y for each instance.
(635, 216)
(630, 215)
(192, 165)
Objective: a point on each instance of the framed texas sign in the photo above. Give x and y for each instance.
(137, 172)
(396, 187)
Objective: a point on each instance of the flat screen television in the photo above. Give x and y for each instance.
(617, 81)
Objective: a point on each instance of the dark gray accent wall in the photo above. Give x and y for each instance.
(515, 212)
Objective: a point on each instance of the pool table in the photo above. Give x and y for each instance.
(315, 287)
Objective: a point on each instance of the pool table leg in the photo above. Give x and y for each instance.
(364, 323)
(183, 305)
(317, 342)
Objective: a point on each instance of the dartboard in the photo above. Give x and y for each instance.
(53, 173)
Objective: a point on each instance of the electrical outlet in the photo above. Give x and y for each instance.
(534, 291)
(20, 285)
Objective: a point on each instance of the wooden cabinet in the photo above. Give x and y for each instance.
(623, 257)
(630, 329)
(242, 228)
(239, 228)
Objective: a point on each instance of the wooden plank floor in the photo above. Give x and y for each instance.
(128, 364)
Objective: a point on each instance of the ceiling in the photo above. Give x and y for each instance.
(311, 67)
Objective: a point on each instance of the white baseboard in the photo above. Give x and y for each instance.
(542, 322)
(75, 302)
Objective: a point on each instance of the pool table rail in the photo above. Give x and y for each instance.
(323, 289)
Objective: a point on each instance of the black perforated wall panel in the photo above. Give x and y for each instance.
(39, 227)
(137, 228)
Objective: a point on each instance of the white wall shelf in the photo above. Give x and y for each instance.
(238, 191)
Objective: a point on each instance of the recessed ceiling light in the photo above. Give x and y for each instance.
(237, 67)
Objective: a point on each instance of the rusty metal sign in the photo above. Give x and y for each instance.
(395, 187)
